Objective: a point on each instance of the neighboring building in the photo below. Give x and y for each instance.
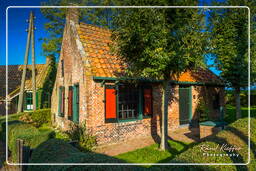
(90, 87)
(43, 95)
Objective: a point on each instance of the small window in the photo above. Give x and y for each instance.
(128, 101)
(62, 68)
(29, 101)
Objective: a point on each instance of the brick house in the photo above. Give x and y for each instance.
(90, 87)
(14, 80)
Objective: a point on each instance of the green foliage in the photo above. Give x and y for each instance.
(230, 113)
(62, 135)
(47, 88)
(59, 151)
(159, 42)
(38, 117)
(11, 118)
(229, 41)
(56, 20)
(202, 110)
(85, 140)
(32, 136)
(228, 30)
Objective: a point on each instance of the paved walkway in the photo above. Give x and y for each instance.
(182, 134)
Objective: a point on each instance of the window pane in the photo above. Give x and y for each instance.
(128, 99)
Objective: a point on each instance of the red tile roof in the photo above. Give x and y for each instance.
(96, 42)
(102, 63)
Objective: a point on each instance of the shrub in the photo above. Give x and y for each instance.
(26, 117)
(32, 136)
(59, 151)
(38, 117)
(202, 110)
(11, 117)
(79, 133)
(62, 135)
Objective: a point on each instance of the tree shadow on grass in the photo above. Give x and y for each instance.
(59, 151)
(244, 138)
(175, 151)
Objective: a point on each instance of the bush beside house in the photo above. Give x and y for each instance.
(31, 135)
(22, 126)
(12, 117)
(37, 118)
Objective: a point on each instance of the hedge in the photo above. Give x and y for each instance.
(32, 136)
(59, 151)
(11, 118)
(235, 134)
(38, 117)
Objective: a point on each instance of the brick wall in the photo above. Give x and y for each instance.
(114, 132)
(73, 58)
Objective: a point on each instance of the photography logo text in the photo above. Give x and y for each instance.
(220, 150)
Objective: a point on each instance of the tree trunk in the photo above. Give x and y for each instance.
(238, 104)
(164, 118)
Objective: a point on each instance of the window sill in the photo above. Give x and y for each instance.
(127, 120)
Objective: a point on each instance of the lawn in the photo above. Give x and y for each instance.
(152, 153)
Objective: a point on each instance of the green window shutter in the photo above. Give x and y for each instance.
(76, 103)
(60, 100)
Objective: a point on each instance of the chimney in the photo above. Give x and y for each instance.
(72, 15)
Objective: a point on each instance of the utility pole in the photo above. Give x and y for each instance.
(33, 62)
(23, 79)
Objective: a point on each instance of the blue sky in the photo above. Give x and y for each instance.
(17, 36)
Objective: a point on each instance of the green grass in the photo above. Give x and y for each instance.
(230, 115)
(152, 153)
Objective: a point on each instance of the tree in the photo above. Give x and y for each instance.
(56, 20)
(229, 42)
(160, 44)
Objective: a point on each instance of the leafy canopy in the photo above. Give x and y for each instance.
(229, 42)
(56, 20)
(159, 42)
